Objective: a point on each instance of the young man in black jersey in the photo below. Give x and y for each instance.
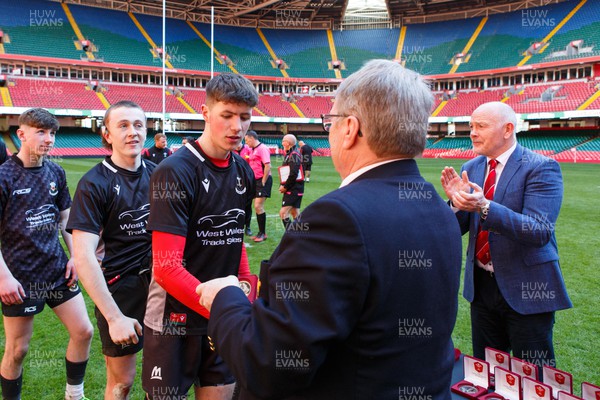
(34, 269)
(200, 196)
(111, 207)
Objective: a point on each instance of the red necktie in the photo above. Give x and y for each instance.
(482, 246)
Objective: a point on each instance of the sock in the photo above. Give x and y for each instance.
(74, 392)
(75, 371)
(75, 375)
(11, 388)
(286, 223)
(262, 222)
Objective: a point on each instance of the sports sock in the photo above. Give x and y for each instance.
(286, 223)
(75, 371)
(75, 375)
(262, 222)
(11, 388)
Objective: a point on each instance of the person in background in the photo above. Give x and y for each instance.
(187, 139)
(306, 152)
(260, 162)
(159, 151)
(508, 200)
(110, 210)
(293, 186)
(360, 298)
(34, 269)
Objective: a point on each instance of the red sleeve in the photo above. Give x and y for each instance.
(170, 274)
(244, 269)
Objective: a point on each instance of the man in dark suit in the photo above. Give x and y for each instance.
(360, 298)
(512, 274)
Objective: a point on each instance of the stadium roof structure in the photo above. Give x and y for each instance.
(306, 14)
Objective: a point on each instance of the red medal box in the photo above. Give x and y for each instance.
(567, 396)
(558, 380)
(496, 358)
(534, 390)
(249, 284)
(477, 378)
(589, 391)
(508, 384)
(524, 368)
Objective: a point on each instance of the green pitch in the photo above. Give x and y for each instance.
(577, 331)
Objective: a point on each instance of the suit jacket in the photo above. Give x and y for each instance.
(357, 302)
(521, 222)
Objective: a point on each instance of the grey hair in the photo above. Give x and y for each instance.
(393, 105)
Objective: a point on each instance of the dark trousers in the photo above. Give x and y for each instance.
(495, 324)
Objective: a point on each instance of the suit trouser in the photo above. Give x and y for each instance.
(495, 324)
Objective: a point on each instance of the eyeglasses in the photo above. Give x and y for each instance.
(326, 121)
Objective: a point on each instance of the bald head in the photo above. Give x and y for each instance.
(493, 129)
(290, 138)
(503, 112)
(288, 141)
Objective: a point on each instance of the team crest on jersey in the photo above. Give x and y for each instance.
(53, 189)
(74, 287)
(239, 187)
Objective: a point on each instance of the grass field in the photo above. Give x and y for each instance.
(577, 331)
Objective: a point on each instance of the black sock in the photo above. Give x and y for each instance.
(262, 222)
(286, 223)
(248, 218)
(75, 371)
(11, 389)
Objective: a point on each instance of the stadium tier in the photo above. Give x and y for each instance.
(499, 40)
(466, 102)
(558, 96)
(149, 98)
(428, 48)
(356, 46)
(54, 93)
(505, 37)
(313, 107)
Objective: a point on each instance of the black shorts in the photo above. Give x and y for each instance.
(291, 199)
(130, 293)
(306, 166)
(264, 191)
(174, 361)
(38, 297)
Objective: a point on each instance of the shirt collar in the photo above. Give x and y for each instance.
(350, 178)
(503, 158)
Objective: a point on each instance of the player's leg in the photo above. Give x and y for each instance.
(129, 293)
(120, 375)
(168, 363)
(18, 332)
(284, 214)
(224, 392)
(73, 315)
(214, 380)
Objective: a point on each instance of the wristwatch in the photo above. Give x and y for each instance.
(484, 210)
